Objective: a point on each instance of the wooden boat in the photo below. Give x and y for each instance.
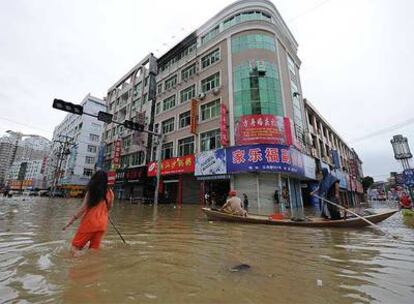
(215, 215)
(407, 212)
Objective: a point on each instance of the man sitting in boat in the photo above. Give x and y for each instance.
(233, 205)
(405, 201)
(328, 189)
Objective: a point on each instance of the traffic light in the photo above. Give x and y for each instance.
(105, 117)
(67, 106)
(133, 125)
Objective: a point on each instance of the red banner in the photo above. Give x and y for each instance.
(117, 154)
(176, 165)
(263, 129)
(193, 116)
(224, 138)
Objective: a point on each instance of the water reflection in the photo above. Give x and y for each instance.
(176, 256)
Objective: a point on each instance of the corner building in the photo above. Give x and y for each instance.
(229, 102)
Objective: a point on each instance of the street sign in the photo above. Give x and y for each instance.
(408, 177)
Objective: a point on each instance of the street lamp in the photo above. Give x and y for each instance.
(401, 150)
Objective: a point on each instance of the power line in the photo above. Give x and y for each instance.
(23, 124)
(385, 130)
(309, 10)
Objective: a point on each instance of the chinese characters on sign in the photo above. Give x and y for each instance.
(193, 116)
(224, 138)
(211, 162)
(279, 158)
(117, 155)
(176, 165)
(263, 129)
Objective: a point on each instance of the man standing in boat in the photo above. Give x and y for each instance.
(329, 189)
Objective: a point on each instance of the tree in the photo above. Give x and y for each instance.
(367, 182)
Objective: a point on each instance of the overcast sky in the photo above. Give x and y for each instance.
(357, 59)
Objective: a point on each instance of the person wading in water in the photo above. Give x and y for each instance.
(329, 189)
(94, 212)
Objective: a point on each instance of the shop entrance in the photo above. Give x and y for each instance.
(217, 190)
(170, 192)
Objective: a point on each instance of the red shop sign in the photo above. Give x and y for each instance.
(111, 177)
(224, 138)
(176, 165)
(263, 129)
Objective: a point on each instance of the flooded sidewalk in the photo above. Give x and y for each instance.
(176, 256)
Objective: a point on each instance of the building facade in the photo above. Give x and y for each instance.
(76, 145)
(127, 152)
(228, 101)
(330, 151)
(7, 150)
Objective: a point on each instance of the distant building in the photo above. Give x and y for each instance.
(332, 152)
(82, 135)
(7, 150)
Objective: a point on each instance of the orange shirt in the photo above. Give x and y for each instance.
(96, 218)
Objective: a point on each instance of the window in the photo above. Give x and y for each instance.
(210, 58)
(253, 41)
(87, 172)
(188, 72)
(210, 82)
(187, 93)
(156, 127)
(184, 119)
(145, 98)
(137, 158)
(170, 82)
(157, 108)
(159, 88)
(168, 103)
(257, 89)
(92, 149)
(167, 150)
(89, 160)
(245, 16)
(210, 35)
(138, 89)
(126, 142)
(93, 137)
(210, 110)
(124, 161)
(168, 125)
(186, 146)
(291, 65)
(210, 140)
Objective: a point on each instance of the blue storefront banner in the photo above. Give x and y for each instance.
(342, 178)
(335, 158)
(211, 162)
(408, 177)
(275, 158)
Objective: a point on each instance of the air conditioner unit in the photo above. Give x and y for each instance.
(314, 152)
(216, 91)
(201, 96)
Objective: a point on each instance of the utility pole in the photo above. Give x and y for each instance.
(63, 151)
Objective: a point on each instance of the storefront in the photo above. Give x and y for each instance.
(178, 184)
(211, 170)
(261, 171)
(130, 183)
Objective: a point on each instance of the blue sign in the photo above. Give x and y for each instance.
(335, 158)
(211, 162)
(408, 177)
(277, 158)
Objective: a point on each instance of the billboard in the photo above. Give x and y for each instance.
(176, 165)
(193, 116)
(278, 158)
(117, 154)
(211, 162)
(263, 129)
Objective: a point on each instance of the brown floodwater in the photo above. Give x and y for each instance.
(176, 256)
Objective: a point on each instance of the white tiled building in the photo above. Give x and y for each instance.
(84, 134)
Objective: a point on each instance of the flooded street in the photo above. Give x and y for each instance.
(177, 256)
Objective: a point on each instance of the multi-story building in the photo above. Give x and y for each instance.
(27, 174)
(127, 152)
(331, 151)
(7, 149)
(230, 94)
(76, 142)
(229, 104)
